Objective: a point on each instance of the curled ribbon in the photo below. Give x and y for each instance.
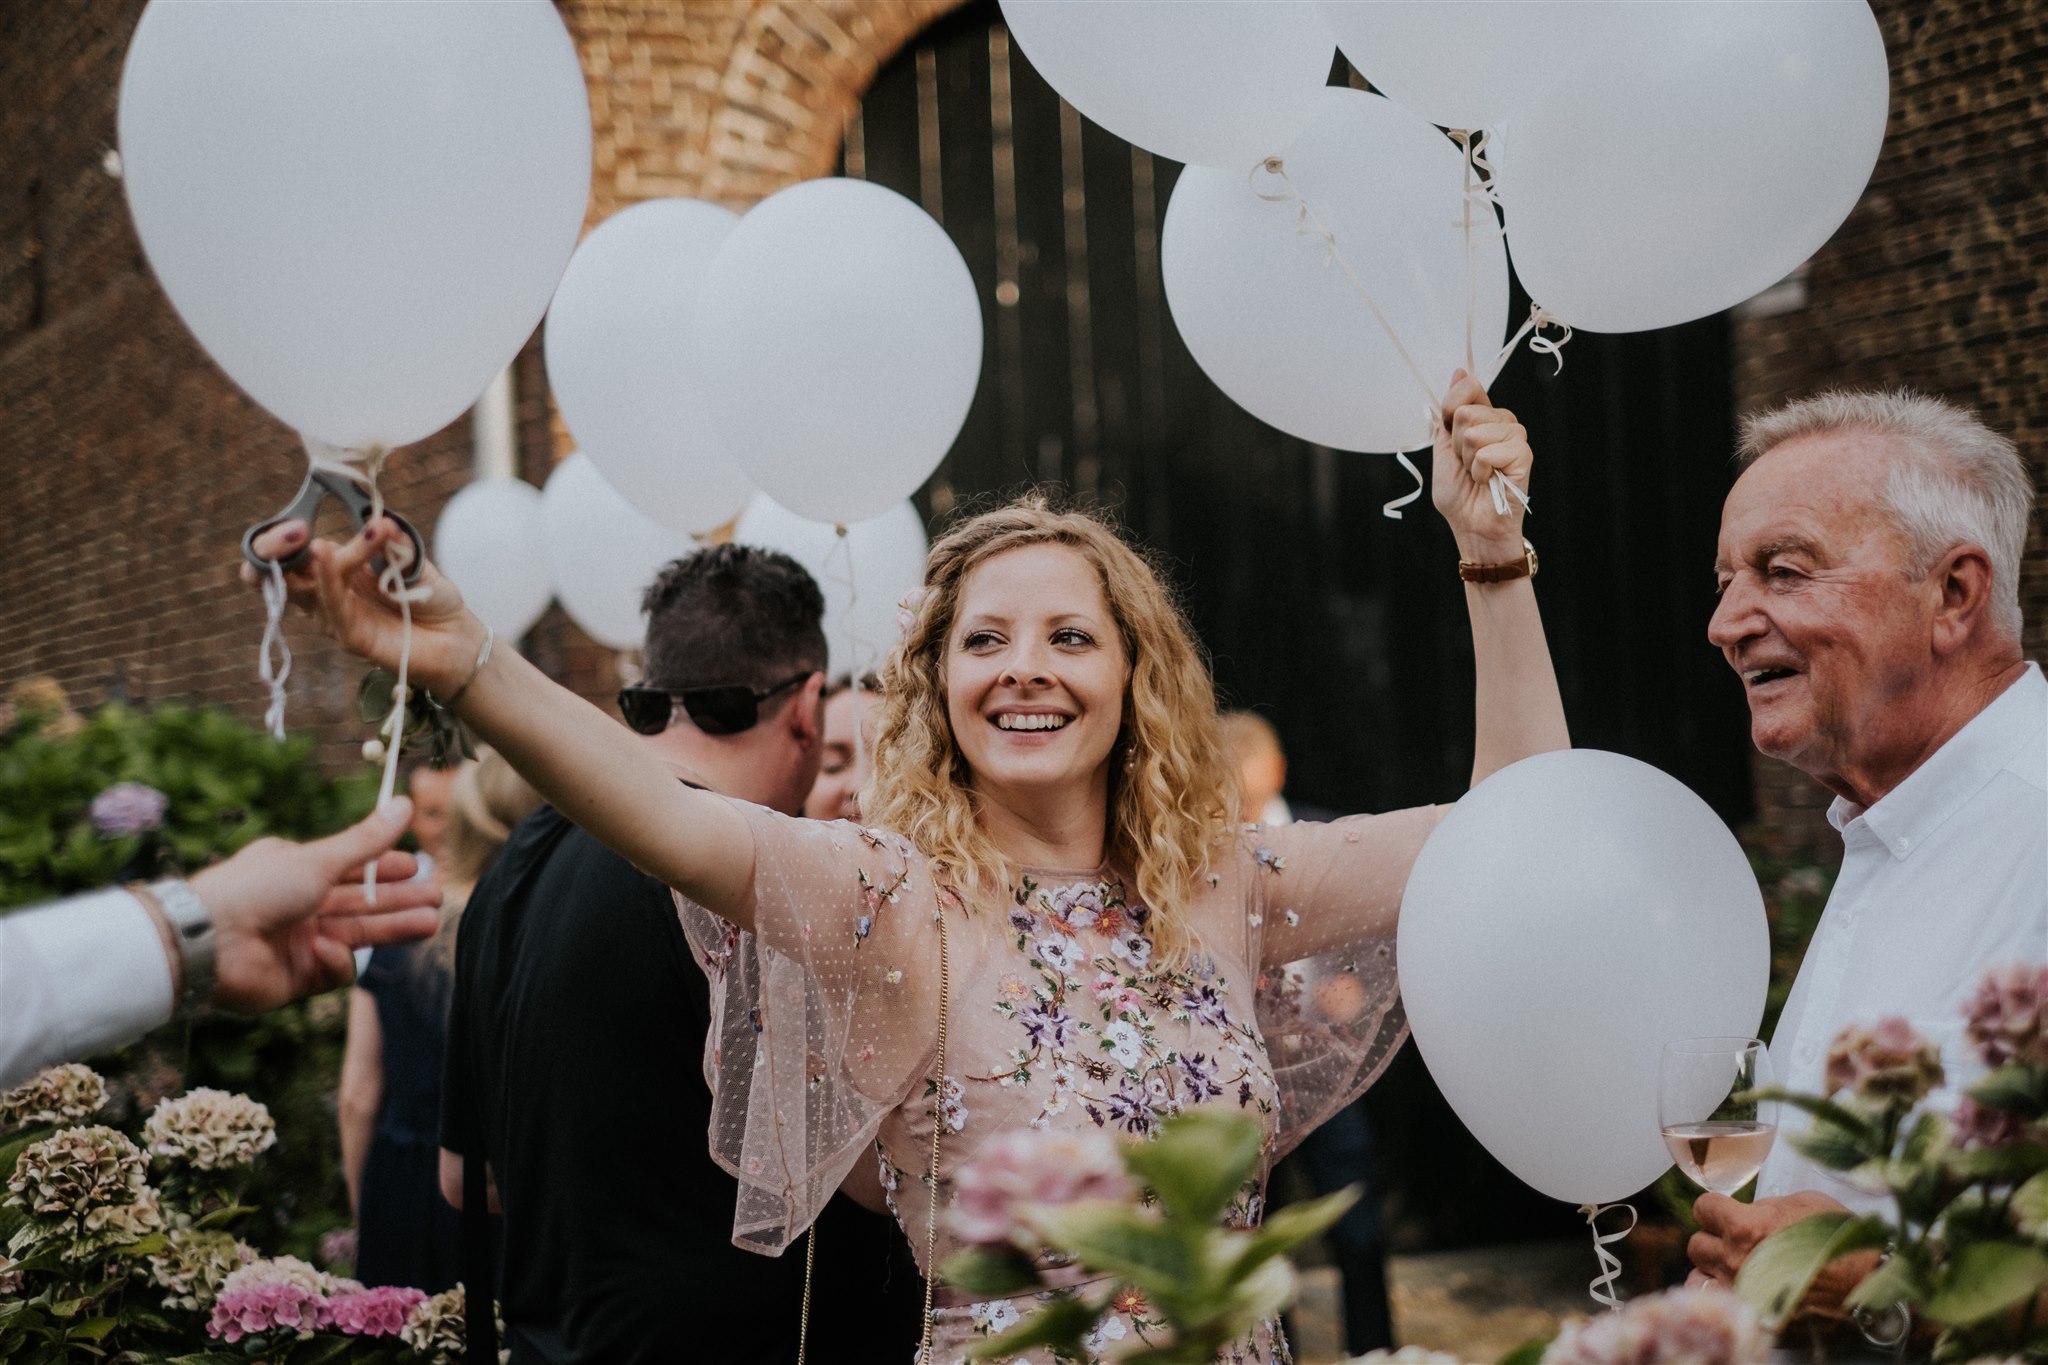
(274, 656)
(365, 466)
(1602, 1287)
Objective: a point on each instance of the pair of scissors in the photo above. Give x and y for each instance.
(320, 485)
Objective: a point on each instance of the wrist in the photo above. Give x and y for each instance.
(1489, 547)
(179, 910)
(454, 667)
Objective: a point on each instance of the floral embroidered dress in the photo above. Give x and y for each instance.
(823, 1049)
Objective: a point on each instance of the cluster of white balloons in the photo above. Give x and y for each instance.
(1652, 162)
(364, 256)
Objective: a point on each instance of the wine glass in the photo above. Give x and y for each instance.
(1718, 1132)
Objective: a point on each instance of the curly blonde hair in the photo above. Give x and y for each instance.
(1171, 797)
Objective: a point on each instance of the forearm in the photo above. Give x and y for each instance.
(592, 769)
(1519, 711)
(358, 1122)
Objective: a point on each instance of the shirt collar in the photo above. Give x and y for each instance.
(1903, 817)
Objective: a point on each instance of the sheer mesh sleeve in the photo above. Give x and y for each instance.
(822, 1018)
(1324, 906)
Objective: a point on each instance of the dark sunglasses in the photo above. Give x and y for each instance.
(723, 710)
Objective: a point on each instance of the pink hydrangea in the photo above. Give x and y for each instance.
(1979, 1127)
(128, 808)
(265, 1308)
(1889, 1062)
(1678, 1327)
(378, 1312)
(1023, 1168)
(2007, 1019)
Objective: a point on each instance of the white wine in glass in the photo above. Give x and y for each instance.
(1717, 1132)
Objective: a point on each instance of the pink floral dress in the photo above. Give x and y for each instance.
(823, 1047)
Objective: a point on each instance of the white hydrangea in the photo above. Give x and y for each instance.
(60, 1094)
(194, 1266)
(211, 1130)
(85, 1189)
(284, 1270)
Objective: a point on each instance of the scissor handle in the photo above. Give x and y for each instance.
(321, 484)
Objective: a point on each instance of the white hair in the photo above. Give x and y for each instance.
(1958, 483)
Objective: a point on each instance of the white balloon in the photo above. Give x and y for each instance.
(1470, 64)
(487, 541)
(1283, 330)
(359, 209)
(1723, 146)
(838, 340)
(863, 575)
(600, 553)
(1212, 82)
(1571, 915)
(621, 367)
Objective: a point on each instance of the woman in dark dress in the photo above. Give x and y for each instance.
(390, 1100)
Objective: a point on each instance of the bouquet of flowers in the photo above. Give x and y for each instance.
(1968, 1249)
(1142, 1225)
(113, 1248)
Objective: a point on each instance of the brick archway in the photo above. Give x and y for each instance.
(727, 100)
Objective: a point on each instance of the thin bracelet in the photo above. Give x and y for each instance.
(483, 656)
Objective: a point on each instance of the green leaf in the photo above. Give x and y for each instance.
(2030, 1207)
(1060, 1324)
(1163, 1259)
(1782, 1267)
(1902, 1279)
(93, 1329)
(994, 1272)
(1282, 1232)
(1198, 1163)
(2016, 1088)
(1529, 1352)
(1840, 1115)
(1830, 1145)
(2001, 1165)
(1985, 1278)
(221, 1217)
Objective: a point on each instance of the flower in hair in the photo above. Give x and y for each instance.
(907, 608)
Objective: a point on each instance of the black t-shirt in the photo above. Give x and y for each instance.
(576, 1041)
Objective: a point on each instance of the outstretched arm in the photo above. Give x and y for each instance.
(581, 760)
(1519, 710)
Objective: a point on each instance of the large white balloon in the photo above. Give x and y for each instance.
(621, 366)
(864, 575)
(1212, 82)
(1573, 914)
(838, 341)
(600, 553)
(359, 209)
(1722, 146)
(1281, 328)
(487, 541)
(1470, 64)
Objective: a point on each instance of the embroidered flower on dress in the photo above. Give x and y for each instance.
(1124, 1042)
(1134, 948)
(1059, 954)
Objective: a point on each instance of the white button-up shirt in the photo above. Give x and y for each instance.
(1943, 878)
(78, 977)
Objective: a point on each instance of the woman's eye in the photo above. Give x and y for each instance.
(978, 639)
(1072, 638)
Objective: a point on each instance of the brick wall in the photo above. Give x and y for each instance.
(1936, 280)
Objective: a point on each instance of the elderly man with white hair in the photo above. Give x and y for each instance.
(1869, 580)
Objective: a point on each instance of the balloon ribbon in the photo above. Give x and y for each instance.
(1602, 1287)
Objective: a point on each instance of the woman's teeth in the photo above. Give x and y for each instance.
(1040, 722)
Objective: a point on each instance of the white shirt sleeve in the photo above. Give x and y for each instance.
(78, 976)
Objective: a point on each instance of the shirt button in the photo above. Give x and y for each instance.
(1905, 844)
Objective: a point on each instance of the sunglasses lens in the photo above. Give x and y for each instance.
(647, 711)
(721, 710)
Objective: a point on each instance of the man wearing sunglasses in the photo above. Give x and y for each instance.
(576, 1038)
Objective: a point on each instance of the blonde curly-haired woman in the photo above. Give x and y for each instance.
(1052, 851)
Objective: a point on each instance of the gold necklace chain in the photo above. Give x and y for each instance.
(931, 1232)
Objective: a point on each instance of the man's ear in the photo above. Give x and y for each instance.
(805, 714)
(1964, 580)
